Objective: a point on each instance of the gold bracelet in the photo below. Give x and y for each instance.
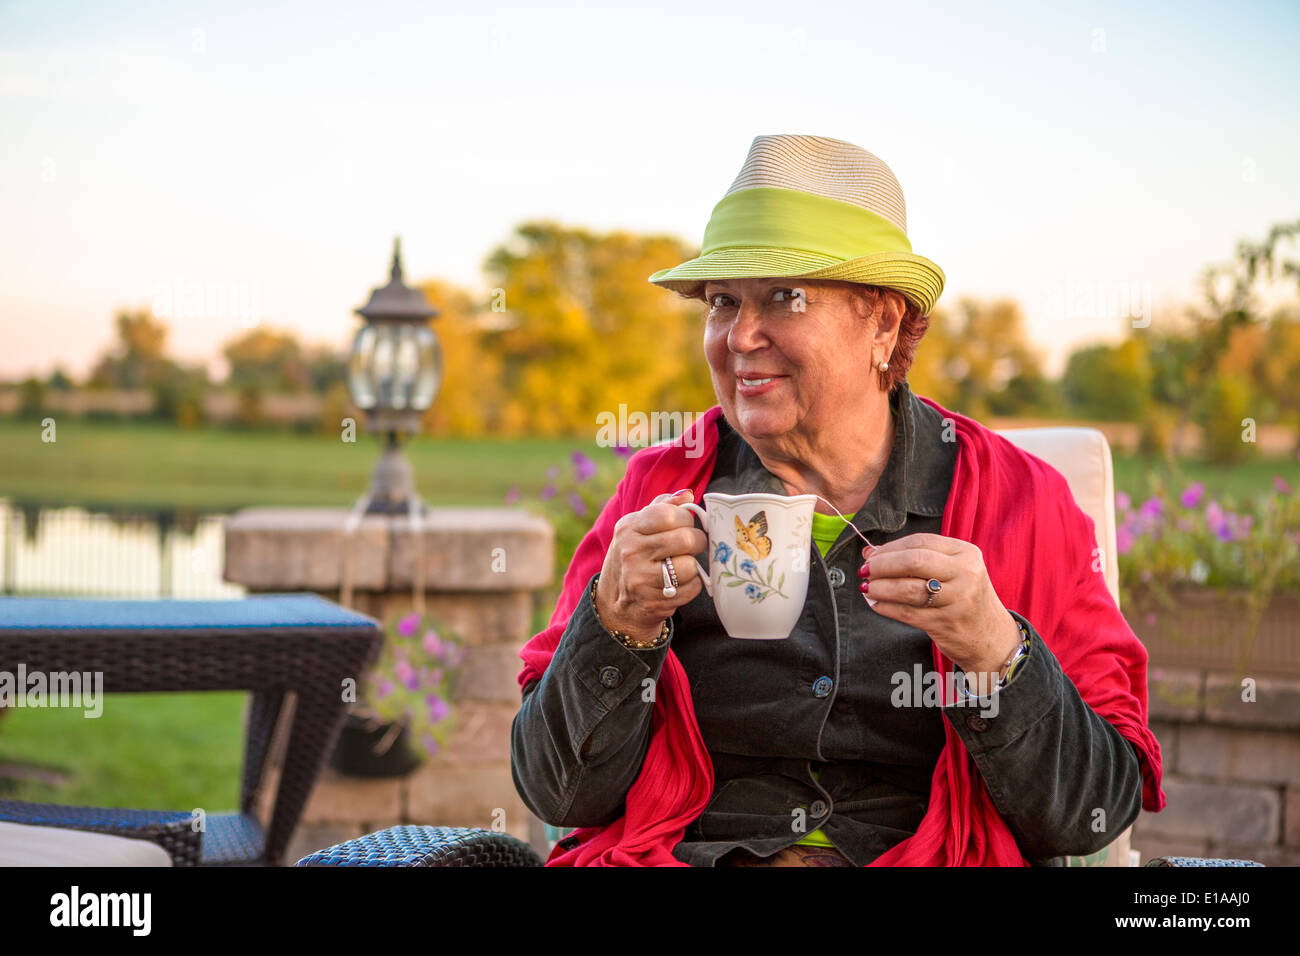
(626, 639)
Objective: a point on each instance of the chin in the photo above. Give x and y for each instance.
(754, 422)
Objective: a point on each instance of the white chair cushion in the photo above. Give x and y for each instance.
(23, 845)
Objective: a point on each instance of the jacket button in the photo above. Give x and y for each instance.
(837, 577)
(822, 686)
(977, 723)
(611, 676)
(818, 808)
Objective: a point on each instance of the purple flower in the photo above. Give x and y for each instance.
(406, 674)
(1193, 494)
(384, 689)
(432, 643)
(553, 472)
(1123, 539)
(1280, 485)
(1150, 509)
(547, 493)
(407, 625)
(623, 451)
(431, 745)
(577, 504)
(512, 495)
(1122, 501)
(1217, 521)
(583, 467)
(438, 709)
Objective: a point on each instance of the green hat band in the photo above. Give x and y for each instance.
(774, 218)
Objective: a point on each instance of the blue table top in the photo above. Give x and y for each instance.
(256, 610)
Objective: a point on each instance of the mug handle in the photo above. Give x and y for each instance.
(704, 519)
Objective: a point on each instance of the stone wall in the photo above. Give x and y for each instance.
(1231, 767)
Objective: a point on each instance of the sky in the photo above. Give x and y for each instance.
(231, 164)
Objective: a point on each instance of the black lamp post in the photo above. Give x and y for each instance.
(394, 372)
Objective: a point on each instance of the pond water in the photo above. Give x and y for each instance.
(113, 552)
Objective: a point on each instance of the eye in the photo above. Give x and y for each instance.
(795, 297)
(712, 300)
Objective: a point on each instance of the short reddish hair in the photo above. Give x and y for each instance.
(911, 329)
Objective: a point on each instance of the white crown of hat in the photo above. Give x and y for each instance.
(825, 167)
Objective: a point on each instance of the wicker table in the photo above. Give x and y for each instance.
(273, 645)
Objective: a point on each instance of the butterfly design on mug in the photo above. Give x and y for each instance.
(752, 537)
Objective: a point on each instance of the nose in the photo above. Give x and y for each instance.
(745, 334)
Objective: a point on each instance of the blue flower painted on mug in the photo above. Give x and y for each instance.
(748, 566)
(752, 592)
(722, 552)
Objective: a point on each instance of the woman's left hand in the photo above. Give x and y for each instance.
(966, 619)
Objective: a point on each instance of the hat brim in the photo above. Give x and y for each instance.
(917, 278)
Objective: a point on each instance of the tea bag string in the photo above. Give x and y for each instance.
(852, 527)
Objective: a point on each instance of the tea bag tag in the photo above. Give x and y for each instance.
(870, 601)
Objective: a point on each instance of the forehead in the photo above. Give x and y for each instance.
(762, 284)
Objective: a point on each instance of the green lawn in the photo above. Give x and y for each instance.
(154, 751)
(216, 470)
(1137, 476)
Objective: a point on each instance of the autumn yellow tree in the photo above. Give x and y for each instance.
(585, 332)
(470, 398)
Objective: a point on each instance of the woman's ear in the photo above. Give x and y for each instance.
(892, 309)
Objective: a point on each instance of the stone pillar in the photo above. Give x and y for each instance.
(482, 571)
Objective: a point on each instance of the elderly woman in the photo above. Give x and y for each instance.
(667, 742)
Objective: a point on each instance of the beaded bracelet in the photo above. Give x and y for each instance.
(626, 639)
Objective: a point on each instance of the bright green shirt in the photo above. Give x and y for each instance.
(825, 531)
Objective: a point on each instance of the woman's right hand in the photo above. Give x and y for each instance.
(629, 594)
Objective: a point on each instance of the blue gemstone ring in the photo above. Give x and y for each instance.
(934, 585)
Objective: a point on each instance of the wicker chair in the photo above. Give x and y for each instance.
(1081, 455)
(281, 647)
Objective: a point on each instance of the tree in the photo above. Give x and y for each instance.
(471, 396)
(977, 360)
(138, 359)
(1109, 382)
(585, 331)
(264, 360)
(1231, 307)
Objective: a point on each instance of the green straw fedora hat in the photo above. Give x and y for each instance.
(810, 207)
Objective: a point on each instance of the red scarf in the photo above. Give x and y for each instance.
(1038, 548)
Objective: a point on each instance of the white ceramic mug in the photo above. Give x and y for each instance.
(759, 546)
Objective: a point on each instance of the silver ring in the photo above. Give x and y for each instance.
(670, 579)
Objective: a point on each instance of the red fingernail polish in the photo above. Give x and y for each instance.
(864, 586)
(864, 571)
